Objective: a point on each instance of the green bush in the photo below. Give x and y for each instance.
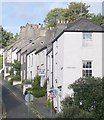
(36, 82)
(39, 92)
(16, 78)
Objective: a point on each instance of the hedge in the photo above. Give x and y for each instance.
(39, 92)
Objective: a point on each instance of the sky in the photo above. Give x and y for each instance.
(14, 14)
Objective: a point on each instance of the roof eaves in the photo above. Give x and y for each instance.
(45, 47)
(31, 51)
(18, 51)
(49, 51)
(23, 52)
(55, 39)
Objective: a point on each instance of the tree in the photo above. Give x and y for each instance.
(97, 19)
(6, 38)
(77, 10)
(87, 100)
(53, 16)
(73, 12)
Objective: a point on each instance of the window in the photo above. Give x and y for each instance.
(7, 70)
(87, 36)
(29, 61)
(21, 59)
(24, 58)
(32, 61)
(87, 69)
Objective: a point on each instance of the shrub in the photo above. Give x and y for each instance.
(36, 82)
(16, 78)
(39, 92)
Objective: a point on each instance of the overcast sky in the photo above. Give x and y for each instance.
(14, 14)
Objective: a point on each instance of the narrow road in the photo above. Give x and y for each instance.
(14, 101)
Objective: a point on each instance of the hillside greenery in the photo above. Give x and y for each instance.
(6, 38)
(74, 11)
(87, 100)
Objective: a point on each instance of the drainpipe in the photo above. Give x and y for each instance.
(52, 66)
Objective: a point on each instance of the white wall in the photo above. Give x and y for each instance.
(31, 66)
(9, 55)
(71, 51)
(41, 63)
(103, 53)
(58, 52)
(1, 51)
(14, 55)
(49, 70)
(75, 52)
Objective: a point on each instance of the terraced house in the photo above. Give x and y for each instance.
(59, 55)
(76, 52)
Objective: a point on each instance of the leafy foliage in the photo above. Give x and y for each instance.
(54, 15)
(6, 38)
(16, 68)
(38, 91)
(87, 101)
(36, 82)
(16, 78)
(97, 19)
(73, 12)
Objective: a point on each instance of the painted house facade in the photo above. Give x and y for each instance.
(36, 61)
(1, 51)
(28, 34)
(77, 52)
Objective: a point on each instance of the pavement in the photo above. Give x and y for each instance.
(39, 106)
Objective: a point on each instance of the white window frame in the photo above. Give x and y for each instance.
(86, 68)
(87, 35)
(32, 60)
(29, 60)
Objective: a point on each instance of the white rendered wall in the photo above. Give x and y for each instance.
(1, 51)
(41, 63)
(58, 52)
(49, 70)
(14, 55)
(9, 56)
(75, 52)
(103, 54)
(30, 66)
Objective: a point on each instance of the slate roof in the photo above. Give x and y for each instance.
(50, 35)
(37, 44)
(81, 25)
(84, 25)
